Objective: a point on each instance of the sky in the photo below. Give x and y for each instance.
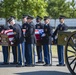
(69, 0)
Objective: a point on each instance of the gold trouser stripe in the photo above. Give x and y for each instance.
(33, 51)
(21, 54)
(42, 53)
(17, 52)
(8, 54)
(50, 54)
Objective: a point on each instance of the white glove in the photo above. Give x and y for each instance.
(43, 35)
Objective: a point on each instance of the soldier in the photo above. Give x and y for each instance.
(30, 40)
(24, 26)
(39, 25)
(60, 48)
(46, 40)
(4, 50)
(18, 39)
(14, 48)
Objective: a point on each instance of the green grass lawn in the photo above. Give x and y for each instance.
(53, 48)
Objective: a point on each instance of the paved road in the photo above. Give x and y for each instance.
(37, 70)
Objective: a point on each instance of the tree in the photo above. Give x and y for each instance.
(73, 9)
(1, 9)
(34, 7)
(19, 7)
(58, 7)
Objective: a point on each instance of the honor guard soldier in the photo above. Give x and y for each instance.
(18, 39)
(24, 26)
(14, 48)
(30, 41)
(47, 40)
(39, 25)
(4, 50)
(61, 27)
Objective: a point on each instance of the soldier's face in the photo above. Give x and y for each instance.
(29, 20)
(38, 20)
(25, 20)
(12, 22)
(61, 20)
(47, 21)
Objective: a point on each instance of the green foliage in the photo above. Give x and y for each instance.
(61, 7)
(19, 7)
(54, 8)
(73, 8)
(58, 7)
(34, 7)
(1, 9)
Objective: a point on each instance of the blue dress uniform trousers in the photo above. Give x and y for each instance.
(39, 53)
(29, 52)
(21, 53)
(14, 51)
(5, 53)
(60, 49)
(30, 56)
(46, 41)
(46, 54)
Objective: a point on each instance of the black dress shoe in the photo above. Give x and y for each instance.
(18, 65)
(47, 65)
(5, 63)
(30, 65)
(40, 62)
(60, 65)
(14, 63)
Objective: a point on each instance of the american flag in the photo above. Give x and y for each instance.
(10, 34)
(38, 33)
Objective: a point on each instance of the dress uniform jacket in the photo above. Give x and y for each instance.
(61, 27)
(60, 48)
(39, 26)
(19, 36)
(24, 25)
(48, 33)
(30, 33)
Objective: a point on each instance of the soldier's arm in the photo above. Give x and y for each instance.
(51, 31)
(56, 31)
(32, 30)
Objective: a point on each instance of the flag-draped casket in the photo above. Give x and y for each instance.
(38, 33)
(7, 37)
